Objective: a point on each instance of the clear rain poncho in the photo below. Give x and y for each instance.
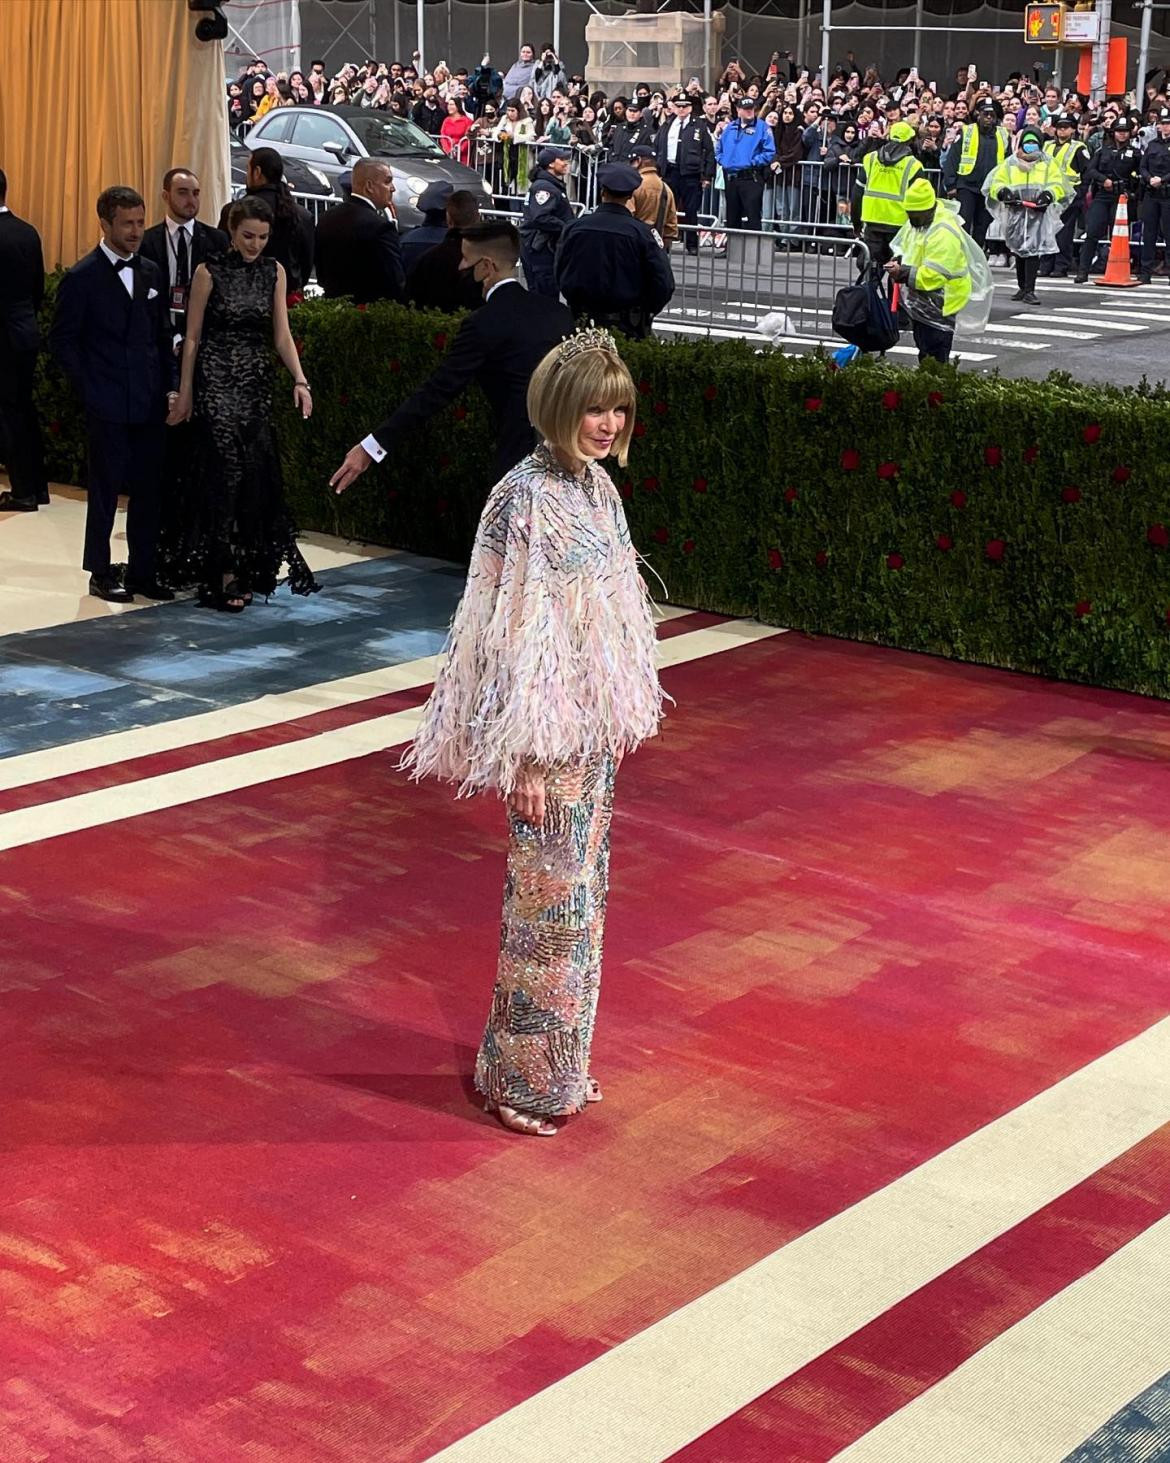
(1027, 228)
(913, 247)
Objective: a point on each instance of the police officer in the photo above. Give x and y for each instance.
(1155, 174)
(885, 179)
(610, 266)
(745, 151)
(982, 146)
(686, 161)
(546, 212)
(1071, 155)
(432, 204)
(1112, 172)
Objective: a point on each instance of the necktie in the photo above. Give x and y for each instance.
(182, 261)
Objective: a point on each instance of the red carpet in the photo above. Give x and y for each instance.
(863, 903)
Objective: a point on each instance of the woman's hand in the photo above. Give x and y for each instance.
(179, 403)
(303, 400)
(526, 799)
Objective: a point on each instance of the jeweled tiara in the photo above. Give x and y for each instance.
(590, 338)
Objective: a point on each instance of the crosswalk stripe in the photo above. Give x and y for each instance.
(1098, 322)
(1047, 331)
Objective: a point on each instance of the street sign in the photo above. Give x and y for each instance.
(1081, 27)
(1043, 24)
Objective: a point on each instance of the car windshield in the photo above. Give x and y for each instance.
(392, 137)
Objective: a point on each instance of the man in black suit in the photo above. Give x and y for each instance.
(439, 281)
(112, 338)
(498, 345)
(22, 287)
(291, 238)
(180, 243)
(358, 249)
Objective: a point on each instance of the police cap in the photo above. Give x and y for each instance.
(1122, 124)
(746, 101)
(1163, 115)
(548, 155)
(433, 198)
(643, 149)
(1065, 120)
(619, 178)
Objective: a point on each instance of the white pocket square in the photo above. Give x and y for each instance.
(152, 294)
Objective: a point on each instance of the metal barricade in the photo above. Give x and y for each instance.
(507, 167)
(737, 276)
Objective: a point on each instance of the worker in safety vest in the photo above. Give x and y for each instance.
(880, 195)
(930, 260)
(1071, 155)
(1025, 193)
(983, 145)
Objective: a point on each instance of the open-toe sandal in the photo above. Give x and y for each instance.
(521, 1122)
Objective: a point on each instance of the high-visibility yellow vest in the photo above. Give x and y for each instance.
(970, 151)
(1063, 154)
(1042, 174)
(884, 199)
(937, 260)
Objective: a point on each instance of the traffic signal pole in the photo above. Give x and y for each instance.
(1100, 72)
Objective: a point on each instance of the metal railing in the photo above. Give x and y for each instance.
(508, 166)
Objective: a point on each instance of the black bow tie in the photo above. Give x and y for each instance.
(121, 264)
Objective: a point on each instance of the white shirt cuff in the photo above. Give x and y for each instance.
(374, 448)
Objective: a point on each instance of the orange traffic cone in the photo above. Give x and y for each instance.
(1117, 266)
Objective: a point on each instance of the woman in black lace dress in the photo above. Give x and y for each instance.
(232, 530)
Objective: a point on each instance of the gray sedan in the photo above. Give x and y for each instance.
(331, 139)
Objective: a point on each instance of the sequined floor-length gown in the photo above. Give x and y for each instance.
(229, 515)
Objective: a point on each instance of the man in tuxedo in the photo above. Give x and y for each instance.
(498, 345)
(22, 287)
(112, 338)
(358, 249)
(180, 243)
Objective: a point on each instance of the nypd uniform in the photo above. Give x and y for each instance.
(745, 151)
(1071, 155)
(1117, 165)
(686, 161)
(610, 266)
(546, 212)
(432, 204)
(1156, 196)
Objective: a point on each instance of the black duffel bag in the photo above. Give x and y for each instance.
(866, 314)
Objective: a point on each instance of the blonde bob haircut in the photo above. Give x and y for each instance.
(562, 391)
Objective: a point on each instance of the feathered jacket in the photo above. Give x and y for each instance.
(551, 656)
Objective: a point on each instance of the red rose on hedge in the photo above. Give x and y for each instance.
(361, 309)
(790, 495)
(626, 489)
(813, 403)
(1092, 433)
(55, 428)
(891, 401)
(660, 408)
(644, 387)
(649, 485)
(994, 549)
(958, 498)
(343, 399)
(775, 559)
(944, 541)
(441, 341)
(1031, 454)
(299, 346)
(395, 366)
(710, 393)
(1071, 495)
(894, 561)
(460, 413)
(444, 461)
(850, 460)
(821, 559)
(1122, 474)
(688, 546)
(1158, 536)
(661, 536)
(993, 456)
(1082, 607)
(700, 485)
(639, 429)
(935, 399)
(440, 505)
(888, 470)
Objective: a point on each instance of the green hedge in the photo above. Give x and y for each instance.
(1021, 524)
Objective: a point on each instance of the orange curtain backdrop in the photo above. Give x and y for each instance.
(97, 92)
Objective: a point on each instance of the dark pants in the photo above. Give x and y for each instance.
(20, 429)
(1026, 272)
(1098, 223)
(123, 459)
(933, 343)
(877, 241)
(538, 271)
(973, 209)
(744, 198)
(1062, 261)
(688, 195)
(1155, 221)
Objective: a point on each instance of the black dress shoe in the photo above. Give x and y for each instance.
(11, 504)
(43, 498)
(149, 589)
(109, 586)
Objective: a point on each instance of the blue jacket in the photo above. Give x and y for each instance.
(742, 147)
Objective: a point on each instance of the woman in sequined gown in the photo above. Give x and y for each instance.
(549, 680)
(229, 530)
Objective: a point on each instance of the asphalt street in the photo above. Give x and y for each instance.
(1095, 333)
